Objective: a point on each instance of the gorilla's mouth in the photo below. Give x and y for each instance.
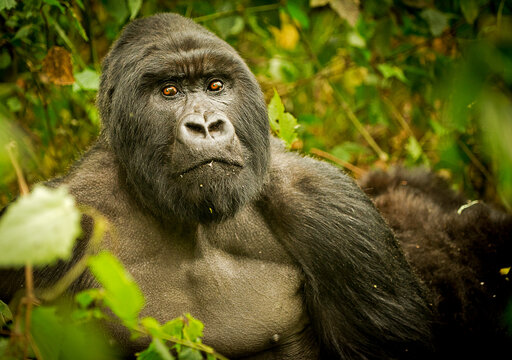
(211, 163)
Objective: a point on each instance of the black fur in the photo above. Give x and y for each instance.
(458, 251)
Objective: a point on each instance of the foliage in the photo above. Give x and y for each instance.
(369, 84)
(386, 82)
(50, 334)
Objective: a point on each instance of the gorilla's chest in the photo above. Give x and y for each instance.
(234, 276)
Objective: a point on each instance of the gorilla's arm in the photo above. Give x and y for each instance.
(359, 292)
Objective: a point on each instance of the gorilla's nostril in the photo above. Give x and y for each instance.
(196, 128)
(216, 126)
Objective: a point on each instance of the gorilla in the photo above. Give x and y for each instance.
(458, 250)
(280, 256)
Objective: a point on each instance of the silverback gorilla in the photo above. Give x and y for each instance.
(281, 256)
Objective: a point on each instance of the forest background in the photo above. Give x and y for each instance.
(362, 84)
(372, 83)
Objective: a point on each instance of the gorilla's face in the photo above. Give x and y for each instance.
(186, 119)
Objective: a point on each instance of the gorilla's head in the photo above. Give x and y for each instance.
(186, 119)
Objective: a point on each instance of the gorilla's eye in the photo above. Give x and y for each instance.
(169, 90)
(215, 85)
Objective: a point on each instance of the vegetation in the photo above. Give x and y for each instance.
(386, 82)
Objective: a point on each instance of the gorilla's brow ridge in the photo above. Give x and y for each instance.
(192, 64)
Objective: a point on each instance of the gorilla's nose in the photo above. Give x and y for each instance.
(212, 129)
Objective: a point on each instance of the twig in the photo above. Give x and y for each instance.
(334, 159)
(226, 13)
(29, 298)
(474, 159)
(19, 174)
(344, 105)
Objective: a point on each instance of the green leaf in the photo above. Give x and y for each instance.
(5, 313)
(39, 228)
(288, 126)
(122, 295)
(389, 71)
(189, 354)
(7, 4)
(470, 9)
(281, 122)
(413, 148)
(436, 20)
(23, 32)
(297, 13)
(194, 328)
(86, 80)
(56, 4)
(58, 338)
(174, 327)
(155, 351)
(5, 59)
(86, 297)
(275, 110)
(356, 40)
(134, 7)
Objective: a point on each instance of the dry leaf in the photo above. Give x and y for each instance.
(57, 66)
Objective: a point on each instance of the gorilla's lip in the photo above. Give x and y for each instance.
(210, 162)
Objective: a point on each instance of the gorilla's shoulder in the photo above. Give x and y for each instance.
(96, 180)
(297, 181)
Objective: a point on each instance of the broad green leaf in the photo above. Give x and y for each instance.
(7, 4)
(297, 13)
(58, 338)
(5, 59)
(275, 110)
(39, 228)
(356, 40)
(122, 294)
(413, 148)
(134, 6)
(194, 328)
(5, 313)
(389, 71)
(86, 80)
(174, 327)
(437, 21)
(86, 297)
(56, 4)
(155, 351)
(189, 354)
(470, 10)
(287, 128)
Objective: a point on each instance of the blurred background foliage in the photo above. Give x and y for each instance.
(372, 83)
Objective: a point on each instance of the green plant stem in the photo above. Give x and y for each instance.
(344, 105)
(226, 13)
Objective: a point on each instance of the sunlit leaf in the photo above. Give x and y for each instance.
(275, 110)
(470, 10)
(155, 351)
(189, 354)
(346, 9)
(7, 4)
(389, 71)
(122, 294)
(39, 228)
(194, 328)
(87, 80)
(5, 313)
(134, 6)
(58, 338)
(437, 21)
(295, 11)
